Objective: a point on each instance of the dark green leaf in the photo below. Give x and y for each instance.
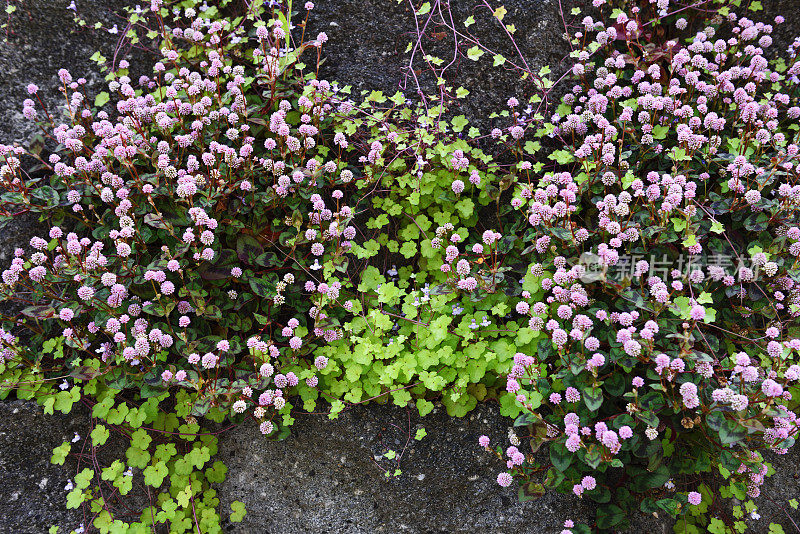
(267, 259)
(263, 287)
(248, 248)
(610, 516)
(156, 221)
(732, 432)
(553, 478)
(593, 397)
(592, 458)
(47, 194)
(560, 457)
(531, 491)
(39, 312)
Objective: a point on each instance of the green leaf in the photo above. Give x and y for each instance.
(678, 223)
(475, 53)
(237, 511)
(184, 497)
(137, 457)
(101, 99)
(376, 96)
(425, 407)
(465, 207)
(409, 249)
(459, 122)
(216, 473)
(531, 147)
(100, 435)
(424, 9)
(75, 498)
(60, 453)
(111, 472)
(660, 132)
(154, 474)
(562, 156)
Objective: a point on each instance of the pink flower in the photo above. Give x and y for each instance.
(504, 479)
(695, 498)
(85, 293)
(769, 387)
(572, 395)
(697, 313)
(483, 441)
(573, 443)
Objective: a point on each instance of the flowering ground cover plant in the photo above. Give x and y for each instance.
(237, 238)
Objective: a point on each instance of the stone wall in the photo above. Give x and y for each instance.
(328, 477)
